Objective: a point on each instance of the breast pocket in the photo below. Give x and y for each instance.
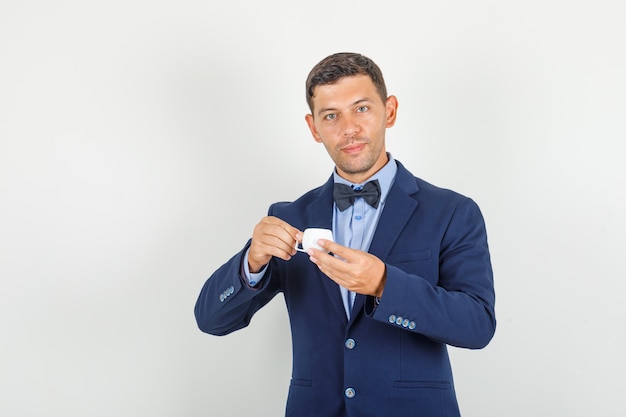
(417, 262)
(398, 258)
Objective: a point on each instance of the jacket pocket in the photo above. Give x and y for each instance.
(301, 382)
(444, 385)
(413, 256)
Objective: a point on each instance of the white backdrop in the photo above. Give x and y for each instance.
(141, 141)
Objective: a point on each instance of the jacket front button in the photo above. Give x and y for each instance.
(350, 343)
(350, 392)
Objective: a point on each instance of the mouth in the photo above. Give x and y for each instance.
(353, 148)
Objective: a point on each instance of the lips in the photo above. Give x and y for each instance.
(353, 148)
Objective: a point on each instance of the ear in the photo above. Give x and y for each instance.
(391, 107)
(311, 123)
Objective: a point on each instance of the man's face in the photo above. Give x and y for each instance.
(350, 119)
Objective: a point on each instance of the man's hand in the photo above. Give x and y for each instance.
(355, 270)
(271, 237)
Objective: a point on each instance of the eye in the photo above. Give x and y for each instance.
(330, 116)
(362, 109)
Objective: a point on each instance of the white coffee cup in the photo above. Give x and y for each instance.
(311, 236)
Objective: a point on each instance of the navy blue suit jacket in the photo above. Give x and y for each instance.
(389, 359)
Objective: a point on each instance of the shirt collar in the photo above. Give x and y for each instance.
(385, 177)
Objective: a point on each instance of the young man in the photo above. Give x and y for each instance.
(408, 272)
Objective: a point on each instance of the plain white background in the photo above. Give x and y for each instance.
(141, 141)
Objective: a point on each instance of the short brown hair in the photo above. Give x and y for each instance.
(344, 64)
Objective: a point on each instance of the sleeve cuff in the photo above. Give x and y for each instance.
(252, 279)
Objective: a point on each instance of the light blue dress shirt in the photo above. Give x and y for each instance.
(354, 227)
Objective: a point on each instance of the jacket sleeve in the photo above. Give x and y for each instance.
(459, 309)
(227, 303)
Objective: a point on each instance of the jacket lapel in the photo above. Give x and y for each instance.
(320, 214)
(400, 205)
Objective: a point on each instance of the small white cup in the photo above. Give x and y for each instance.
(311, 236)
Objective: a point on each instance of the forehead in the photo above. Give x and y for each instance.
(345, 91)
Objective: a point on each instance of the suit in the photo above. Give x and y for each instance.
(390, 358)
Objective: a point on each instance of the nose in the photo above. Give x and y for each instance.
(351, 126)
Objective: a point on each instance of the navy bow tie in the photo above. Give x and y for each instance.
(345, 195)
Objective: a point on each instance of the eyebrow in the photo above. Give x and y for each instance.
(359, 101)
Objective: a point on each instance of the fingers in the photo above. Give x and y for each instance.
(355, 270)
(336, 267)
(337, 249)
(271, 237)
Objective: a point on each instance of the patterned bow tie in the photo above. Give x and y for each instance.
(345, 195)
